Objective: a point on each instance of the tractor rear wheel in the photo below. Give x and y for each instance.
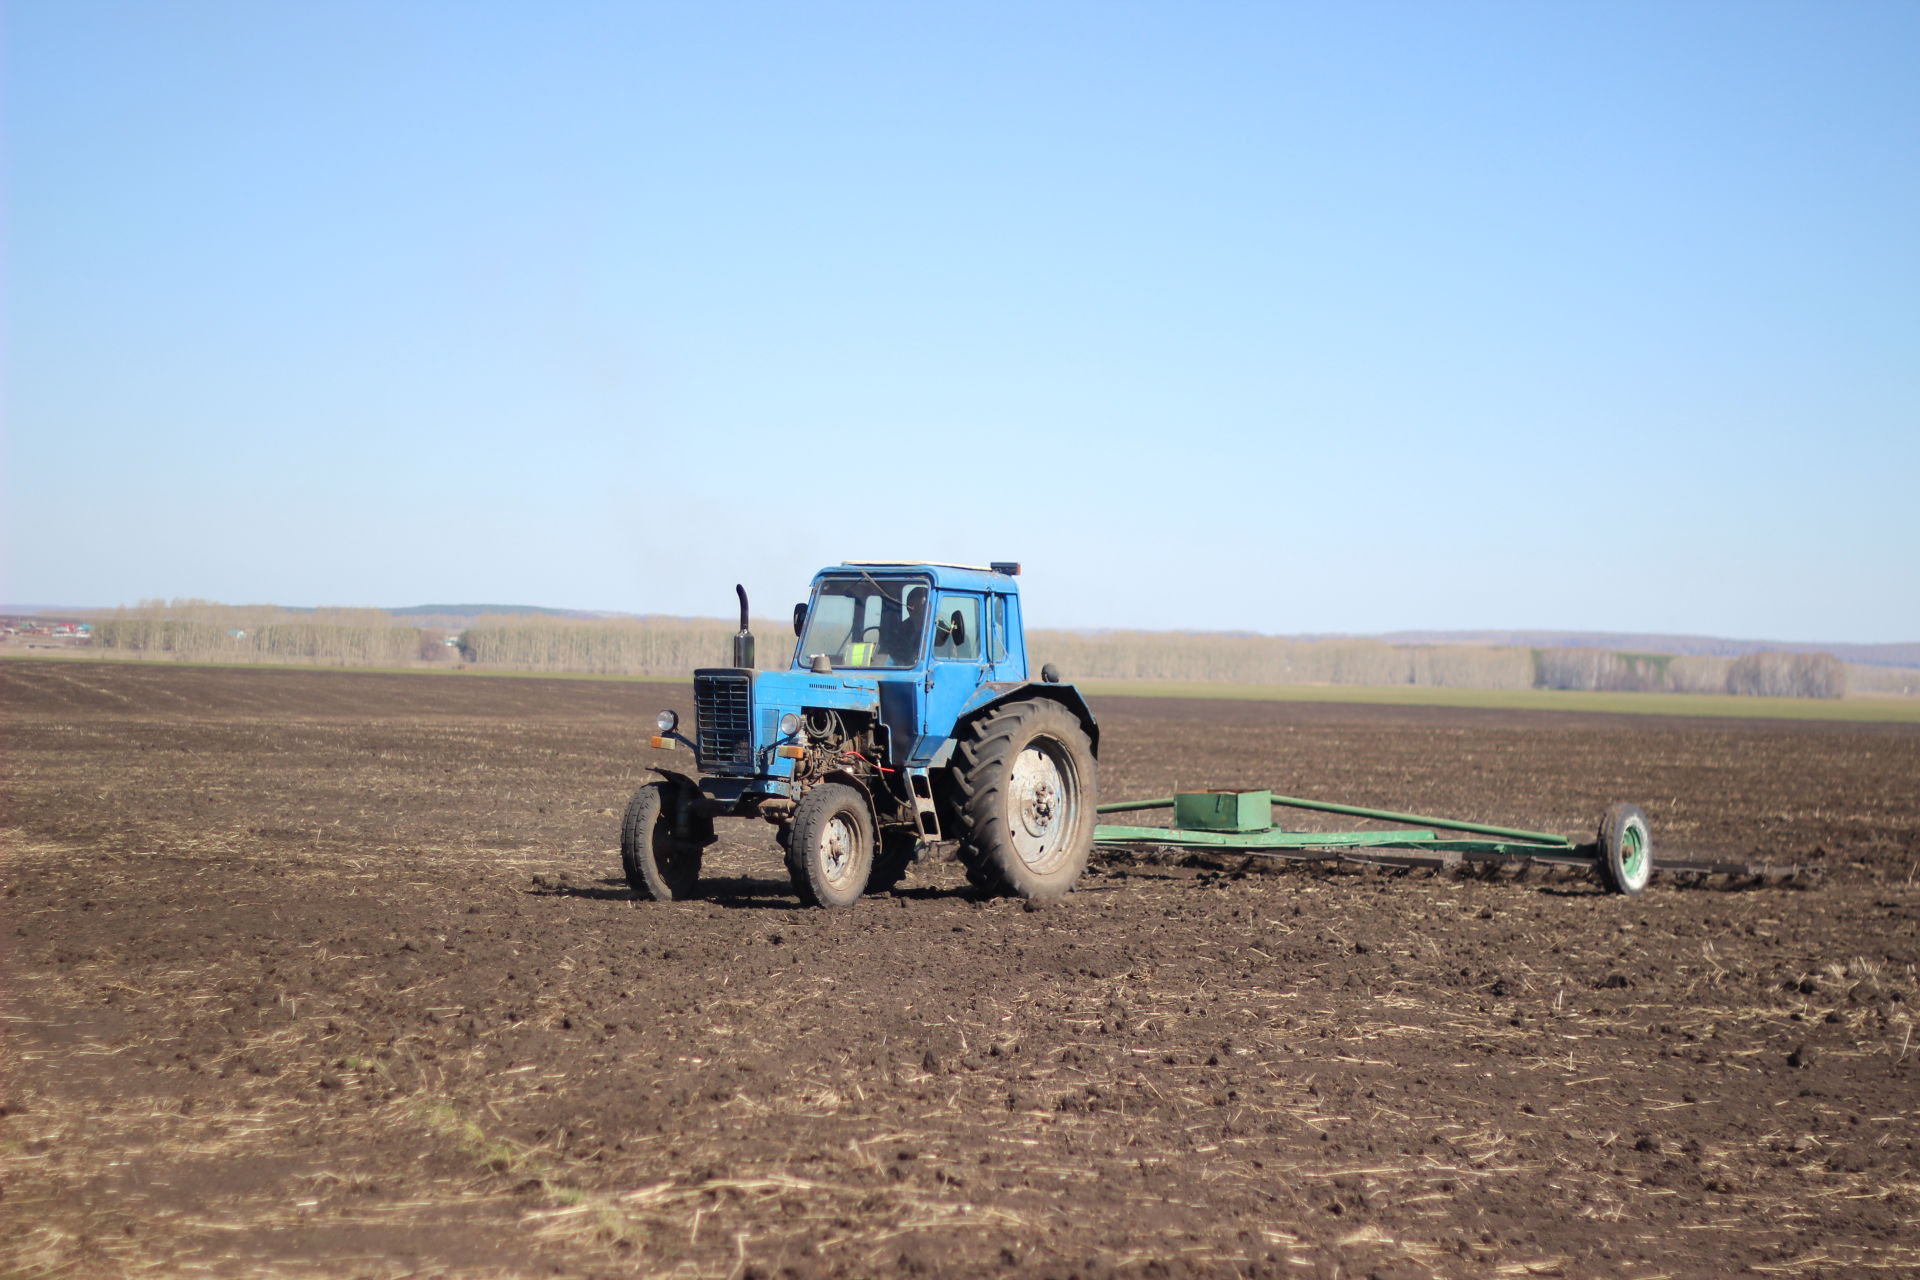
(1626, 849)
(659, 864)
(830, 848)
(1024, 775)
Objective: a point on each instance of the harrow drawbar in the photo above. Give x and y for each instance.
(1241, 823)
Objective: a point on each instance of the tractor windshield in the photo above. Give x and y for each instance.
(865, 621)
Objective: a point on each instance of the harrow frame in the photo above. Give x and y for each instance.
(1415, 841)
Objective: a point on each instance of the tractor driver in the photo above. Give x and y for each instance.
(900, 642)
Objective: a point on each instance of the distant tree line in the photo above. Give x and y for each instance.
(1768, 674)
(616, 646)
(1150, 655)
(1862, 678)
(200, 631)
(1174, 655)
(1788, 675)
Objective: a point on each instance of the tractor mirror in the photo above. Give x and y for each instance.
(799, 618)
(958, 629)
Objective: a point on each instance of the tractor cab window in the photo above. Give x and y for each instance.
(867, 622)
(956, 628)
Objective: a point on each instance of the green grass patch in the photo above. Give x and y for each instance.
(1726, 706)
(500, 1157)
(600, 1217)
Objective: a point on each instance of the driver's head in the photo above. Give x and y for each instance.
(916, 602)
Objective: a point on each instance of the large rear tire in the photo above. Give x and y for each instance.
(658, 864)
(830, 851)
(1626, 849)
(1024, 775)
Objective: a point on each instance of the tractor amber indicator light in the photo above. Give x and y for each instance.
(791, 752)
(662, 744)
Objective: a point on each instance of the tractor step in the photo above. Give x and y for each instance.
(925, 819)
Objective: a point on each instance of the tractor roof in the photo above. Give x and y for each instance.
(972, 577)
(916, 564)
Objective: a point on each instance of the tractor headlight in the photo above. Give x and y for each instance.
(789, 725)
(668, 721)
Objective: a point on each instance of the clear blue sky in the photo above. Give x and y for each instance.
(1273, 316)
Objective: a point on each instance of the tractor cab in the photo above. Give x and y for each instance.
(896, 618)
(926, 637)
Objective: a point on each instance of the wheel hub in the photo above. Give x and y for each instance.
(1040, 809)
(1633, 854)
(836, 848)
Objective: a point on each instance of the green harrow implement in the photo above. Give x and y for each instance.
(1241, 822)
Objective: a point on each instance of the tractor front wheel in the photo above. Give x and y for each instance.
(1025, 778)
(830, 849)
(659, 865)
(1626, 849)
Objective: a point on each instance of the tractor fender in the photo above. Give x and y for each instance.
(690, 808)
(848, 779)
(678, 779)
(996, 695)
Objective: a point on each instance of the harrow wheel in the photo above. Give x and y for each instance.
(1626, 849)
(658, 864)
(830, 850)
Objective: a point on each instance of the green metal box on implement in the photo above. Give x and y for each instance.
(905, 723)
(1223, 810)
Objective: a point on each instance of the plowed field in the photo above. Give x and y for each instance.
(322, 974)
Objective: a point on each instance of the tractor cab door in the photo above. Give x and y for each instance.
(1006, 649)
(955, 668)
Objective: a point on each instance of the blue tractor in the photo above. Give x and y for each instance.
(905, 724)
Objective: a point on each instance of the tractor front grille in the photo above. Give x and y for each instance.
(723, 710)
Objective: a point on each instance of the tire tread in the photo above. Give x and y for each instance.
(643, 841)
(982, 771)
(816, 808)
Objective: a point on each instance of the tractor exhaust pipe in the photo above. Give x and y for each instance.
(743, 642)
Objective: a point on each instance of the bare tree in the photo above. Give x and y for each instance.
(1772, 674)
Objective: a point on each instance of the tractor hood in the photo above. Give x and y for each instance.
(739, 713)
(749, 758)
(779, 692)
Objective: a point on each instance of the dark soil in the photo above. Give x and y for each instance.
(333, 974)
